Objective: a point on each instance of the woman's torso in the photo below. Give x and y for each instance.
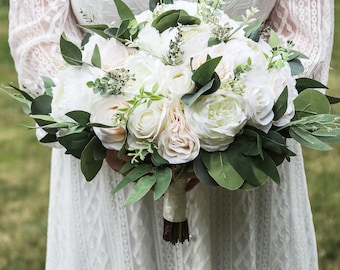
(104, 11)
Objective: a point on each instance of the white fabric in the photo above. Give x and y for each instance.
(89, 228)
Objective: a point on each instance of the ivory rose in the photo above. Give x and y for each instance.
(177, 144)
(103, 112)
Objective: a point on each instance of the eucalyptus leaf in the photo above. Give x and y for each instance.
(306, 139)
(221, 170)
(22, 92)
(126, 167)
(133, 175)
(201, 172)
(95, 60)
(124, 11)
(253, 31)
(308, 83)
(296, 67)
(267, 166)
(333, 100)
(329, 135)
(19, 98)
(88, 164)
(75, 143)
(213, 41)
(189, 99)
(311, 102)
(49, 138)
(163, 180)
(280, 106)
(205, 72)
(158, 160)
(48, 85)
(274, 40)
(141, 188)
(81, 117)
(99, 29)
(70, 52)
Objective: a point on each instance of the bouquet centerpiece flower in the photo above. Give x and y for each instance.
(183, 89)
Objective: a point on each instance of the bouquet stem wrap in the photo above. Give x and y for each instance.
(174, 212)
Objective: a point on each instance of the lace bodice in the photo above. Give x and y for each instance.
(89, 228)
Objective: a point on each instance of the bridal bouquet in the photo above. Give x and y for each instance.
(183, 89)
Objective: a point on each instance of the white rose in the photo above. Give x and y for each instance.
(260, 98)
(113, 53)
(177, 79)
(71, 92)
(216, 119)
(282, 78)
(177, 144)
(103, 112)
(147, 72)
(146, 122)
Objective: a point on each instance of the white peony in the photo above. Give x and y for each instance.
(103, 112)
(177, 144)
(71, 92)
(216, 119)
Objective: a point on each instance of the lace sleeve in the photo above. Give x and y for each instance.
(310, 25)
(35, 27)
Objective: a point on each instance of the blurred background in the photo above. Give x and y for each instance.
(24, 177)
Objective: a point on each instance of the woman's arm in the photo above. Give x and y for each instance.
(34, 32)
(310, 25)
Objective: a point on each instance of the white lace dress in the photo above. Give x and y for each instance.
(90, 229)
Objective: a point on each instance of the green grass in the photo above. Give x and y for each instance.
(24, 179)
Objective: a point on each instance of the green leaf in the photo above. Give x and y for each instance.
(280, 106)
(308, 83)
(163, 179)
(70, 52)
(126, 167)
(124, 11)
(306, 139)
(329, 135)
(99, 29)
(158, 160)
(22, 92)
(213, 41)
(75, 143)
(81, 117)
(85, 40)
(296, 67)
(88, 164)
(333, 100)
(189, 99)
(253, 31)
(133, 175)
(201, 172)
(267, 166)
(172, 18)
(49, 138)
(205, 72)
(20, 98)
(311, 102)
(274, 40)
(95, 60)
(153, 3)
(221, 170)
(141, 188)
(100, 151)
(48, 85)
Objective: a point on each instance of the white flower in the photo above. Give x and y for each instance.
(146, 122)
(103, 112)
(260, 97)
(113, 54)
(147, 72)
(177, 81)
(282, 78)
(216, 119)
(71, 92)
(177, 144)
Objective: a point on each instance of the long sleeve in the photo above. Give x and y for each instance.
(35, 27)
(310, 25)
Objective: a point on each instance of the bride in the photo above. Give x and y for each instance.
(89, 228)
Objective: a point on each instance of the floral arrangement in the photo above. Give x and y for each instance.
(182, 88)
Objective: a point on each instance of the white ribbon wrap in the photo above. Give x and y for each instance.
(175, 201)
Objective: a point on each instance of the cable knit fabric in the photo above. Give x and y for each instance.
(90, 229)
